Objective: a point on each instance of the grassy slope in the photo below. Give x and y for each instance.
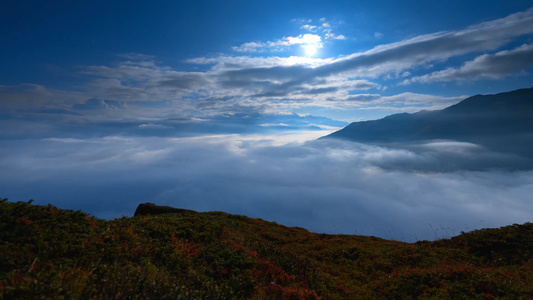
(54, 253)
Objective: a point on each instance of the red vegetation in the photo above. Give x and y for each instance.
(53, 253)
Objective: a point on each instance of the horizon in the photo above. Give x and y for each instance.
(218, 106)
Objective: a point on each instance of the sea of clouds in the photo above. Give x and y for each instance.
(426, 191)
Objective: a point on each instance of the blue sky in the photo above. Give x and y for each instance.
(382, 56)
(216, 105)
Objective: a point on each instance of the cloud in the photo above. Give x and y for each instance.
(24, 96)
(224, 63)
(325, 186)
(308, 27)
(302, 39)
(335, 37)
(99, 117)
(327, 30)
(493, 66)
(99, 104)
(249, 47)
(410, 102)
(279, 84)
(389, 61)
(142, 81)
(319, 32)
(155, 126)
(400, 56)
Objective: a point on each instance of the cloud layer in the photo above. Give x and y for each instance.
(325, 186)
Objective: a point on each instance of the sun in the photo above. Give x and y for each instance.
(310, 50)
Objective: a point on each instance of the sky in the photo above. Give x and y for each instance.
(217, 105)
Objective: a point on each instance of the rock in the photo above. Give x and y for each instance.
(151, 209)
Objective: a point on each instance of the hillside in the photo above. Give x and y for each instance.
(501, 122)
(180, 254)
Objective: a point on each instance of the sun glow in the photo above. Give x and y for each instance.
(310, 50)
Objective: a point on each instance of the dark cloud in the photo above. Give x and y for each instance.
(277, 73)
(186, 82)
(24, 96)
(364, 97)
(142, 80)
(320, 90)
(326, 186)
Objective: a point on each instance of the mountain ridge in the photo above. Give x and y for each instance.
(502, 122)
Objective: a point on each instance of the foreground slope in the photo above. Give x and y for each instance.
(502, 122)
(53, 253)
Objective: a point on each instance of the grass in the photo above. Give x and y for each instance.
(47, 252)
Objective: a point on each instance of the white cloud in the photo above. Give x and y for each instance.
(249, 47)
(308, 27)
(494, 66)
(321, 31)
(335, 37)
(302, 39)
(225, 63)
(325, 186)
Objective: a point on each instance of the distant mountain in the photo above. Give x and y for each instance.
(502, 122)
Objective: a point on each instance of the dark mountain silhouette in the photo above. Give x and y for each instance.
(501, 122)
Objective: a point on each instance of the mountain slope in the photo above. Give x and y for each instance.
(502, 122)
(53, 253)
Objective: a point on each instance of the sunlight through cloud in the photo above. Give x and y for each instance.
(310, 50)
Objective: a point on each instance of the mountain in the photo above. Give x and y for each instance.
(166, 253)
(502, 122)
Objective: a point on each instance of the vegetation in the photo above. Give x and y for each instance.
(46, 252)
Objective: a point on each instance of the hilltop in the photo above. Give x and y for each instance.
(49, 252)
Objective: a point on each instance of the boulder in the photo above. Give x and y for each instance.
(151, 209)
